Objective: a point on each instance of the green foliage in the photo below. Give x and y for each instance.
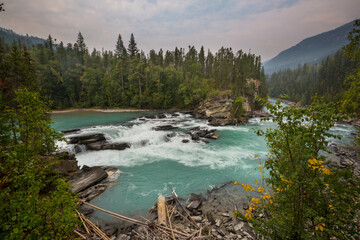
(325, 79)
(353, 48)
(351, 99)
(237, 110)
(310, 200)
(36, 202)
(73, 77)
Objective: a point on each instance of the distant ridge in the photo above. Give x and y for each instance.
(311, 50)
(10, 37)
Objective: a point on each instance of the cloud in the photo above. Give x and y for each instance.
(265, 26)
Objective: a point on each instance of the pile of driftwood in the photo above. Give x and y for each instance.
(163, 226)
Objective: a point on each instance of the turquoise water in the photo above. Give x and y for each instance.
(155, 164)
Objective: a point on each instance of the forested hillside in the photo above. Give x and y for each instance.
(325, 79)
(73, 76)
(10, 37)
(311, 50)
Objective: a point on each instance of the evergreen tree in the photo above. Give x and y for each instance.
(120, 50)
(81, 44)
(132, 48)
(202, 58)
(50, 45)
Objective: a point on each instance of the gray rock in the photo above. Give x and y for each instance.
(150, 116)
(107, 146)
(197, 218)
(185, 140)
(86, 139)
(123, 237)
(161, 115)
(210, 218)
(66, 163)
(238, 227)
(86, 210)
(109, 229)
(193, 205)
(93, 192)
(84, 180)
(65, 167)
(195, 128)
(195, 137)
(195, 197)
(170, 135)
(218, 222)
(70, 130)
(164, 128)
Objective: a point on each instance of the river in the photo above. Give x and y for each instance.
(156, 163)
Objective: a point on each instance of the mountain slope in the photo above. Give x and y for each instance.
(10, 37)
(311, 50)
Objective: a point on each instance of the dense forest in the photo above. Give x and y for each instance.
(325, 79)
(10, 37)
(71, 76)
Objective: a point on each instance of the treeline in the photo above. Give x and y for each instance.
(325, 79)
(72, 76)
(10, 37)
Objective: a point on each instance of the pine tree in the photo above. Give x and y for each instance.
(132, 49)
(202, 59)
(120, 50)
(50, 43)
(81, 44)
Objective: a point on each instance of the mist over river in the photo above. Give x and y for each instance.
(156, 163)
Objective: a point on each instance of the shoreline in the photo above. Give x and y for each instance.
(104, 110)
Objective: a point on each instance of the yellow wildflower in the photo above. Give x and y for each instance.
(326, 171)
(260, 189)
(255, 200)
(255, 156)
(320, 227)
(235, 183)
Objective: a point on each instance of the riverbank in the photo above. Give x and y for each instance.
(209, 216)
(103, 110)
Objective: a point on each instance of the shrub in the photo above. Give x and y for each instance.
(304, 197)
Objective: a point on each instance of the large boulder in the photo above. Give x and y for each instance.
(86, 179)
(218, 106)
(87, 139)
(66, 164)
(107, 146)
(70, 130)
(164, 128)
(92, 192)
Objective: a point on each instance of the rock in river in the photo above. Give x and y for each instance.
(164, 128)
(107, 146)
(87, 139)
(84, 180)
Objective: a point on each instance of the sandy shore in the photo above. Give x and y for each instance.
(108, 110)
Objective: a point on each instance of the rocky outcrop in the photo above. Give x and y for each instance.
(86, 179)
(107, 146)
(66, 131)
(87, 139)
(95, 142)
(196, 134)
(66, 164)
(218, 109)
(218, 106)
(259, 113)
(164, 128)
(344, 157)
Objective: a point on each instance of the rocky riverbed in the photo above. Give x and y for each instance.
(213, 211)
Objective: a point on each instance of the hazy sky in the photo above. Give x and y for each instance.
(264, 26)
